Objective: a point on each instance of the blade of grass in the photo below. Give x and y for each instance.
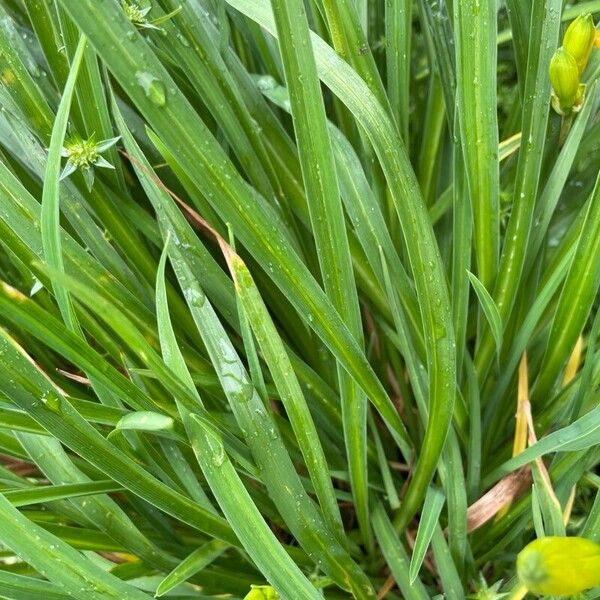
(289, 389)
(365, 214)
(349, 38)
(519, 15)
(577, 298)
(59, 418)
(43, 22)
(396, 556)
(581, 434)
(432, 139)
(50, 215)
(398, 30)
(490, 310)
(48, 493)
(389, 484)
(327, 220)
(25, 313)
(259, 541)
(424, 257)
(225, 483)
(441, 44)
(462, 232)
(586, 375)
(196, 561)
(476, 58)
(23, 587)
(475, 433)
(545, 24)
(432, 508)
(24, 95)
(234, 200)
(264, 439)
(555, 183)
(531, 321)
(77, 575)
(448, 573)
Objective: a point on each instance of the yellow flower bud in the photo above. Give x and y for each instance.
(559, 566)
(564, 77)
(579, 39)
(262, 592)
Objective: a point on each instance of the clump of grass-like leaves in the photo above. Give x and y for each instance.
(275, 278)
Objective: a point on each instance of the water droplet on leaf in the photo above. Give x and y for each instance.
(153, 87)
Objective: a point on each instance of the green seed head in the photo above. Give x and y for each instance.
(85, 155)
(135, 14)
(579, 39)
(483, 591)
(564, 77)
(82, 153)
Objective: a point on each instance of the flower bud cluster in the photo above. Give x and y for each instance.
(568, 64)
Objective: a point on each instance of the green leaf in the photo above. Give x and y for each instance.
(196, 561)
(265, 442)
(50, 216)
(327, 221)
(225, 483)
(398, 24)
(58, 492)
(490, 310)
(543, 35)
(77, 575)
(263, 234)
(144, 421)
(424, 257)
(449, 576)
(475, 24)
(29, 588)
(396, 556)
(61, 419)
(247, 522)
(576, 300)
(434, 502)
(290, 393)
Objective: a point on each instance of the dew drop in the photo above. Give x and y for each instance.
(196, 297)
(183, 40)
(266, 83)
(153, 87)
(243, 391)
(51, 400)
(233, 376)
(218, 457)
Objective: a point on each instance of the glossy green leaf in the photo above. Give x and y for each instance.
(434, 502)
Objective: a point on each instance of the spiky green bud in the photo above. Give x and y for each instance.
(85, 155)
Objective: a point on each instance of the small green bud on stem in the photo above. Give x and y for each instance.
(564, 77)
(579, 40)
